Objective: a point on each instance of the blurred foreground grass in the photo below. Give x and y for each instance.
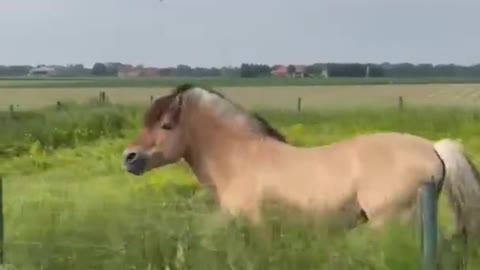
(74, 208)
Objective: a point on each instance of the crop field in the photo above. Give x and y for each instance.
(275, 97)
(69, 205)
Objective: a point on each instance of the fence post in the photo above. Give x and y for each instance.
(299, 104)
(2, 228)
(400, 103)
(101, 97)
(151, 99)
(429, 226)
(11, 110)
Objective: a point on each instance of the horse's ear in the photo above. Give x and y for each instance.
(178, 101)
(173, 114)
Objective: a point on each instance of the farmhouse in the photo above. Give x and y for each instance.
(129, 72)
(138, 71)
(283, 71)
(43, 71)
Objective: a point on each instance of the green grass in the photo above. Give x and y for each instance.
(74, 208)
(53, 128)
(85, 82)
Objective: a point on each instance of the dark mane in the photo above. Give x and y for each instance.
(268, 129)
(182, 88)
(187, 86)
(161, 105)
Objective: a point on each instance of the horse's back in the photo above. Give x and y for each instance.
(374, 172)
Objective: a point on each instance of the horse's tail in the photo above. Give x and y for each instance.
(462, 185)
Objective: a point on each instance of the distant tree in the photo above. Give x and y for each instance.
(230, 71)
(4, 71)
(205, 72)
(72, 70)
(315, 69)
(19, 70)
(346, 69)
(291, 69)
(246, 71)
(254, 70)
(113, 68)
(376, 71)
(183, 70)
(99, 69)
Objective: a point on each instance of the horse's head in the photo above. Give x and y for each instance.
(168, 124)
(161, 140)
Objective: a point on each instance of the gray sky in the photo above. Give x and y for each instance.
(229, 32)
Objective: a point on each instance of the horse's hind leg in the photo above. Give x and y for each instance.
(355, 215)
(378, 216)
(359, 219)
(362, 217)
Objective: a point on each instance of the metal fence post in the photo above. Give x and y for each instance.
(429, 226)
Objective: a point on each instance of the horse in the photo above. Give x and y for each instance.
(369, 178)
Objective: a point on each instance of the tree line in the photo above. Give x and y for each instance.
(252, 70)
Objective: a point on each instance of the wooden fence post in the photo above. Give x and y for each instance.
(102, 97)
(299, 104)
(11, 111)
(429, 226)
(59, 105)
(400, 103)
(151, 99)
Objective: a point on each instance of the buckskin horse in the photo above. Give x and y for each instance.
(245, 160)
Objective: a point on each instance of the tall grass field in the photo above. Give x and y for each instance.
(69, 205)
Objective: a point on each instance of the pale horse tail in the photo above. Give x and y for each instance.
(462, 186)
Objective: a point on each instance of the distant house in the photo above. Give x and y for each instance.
(300, 71)
(139, 71)
(43, 71)
(282, 71)
(129, 71)
(150, 72)
(325, 72)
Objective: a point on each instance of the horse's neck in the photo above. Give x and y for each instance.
(211, 152)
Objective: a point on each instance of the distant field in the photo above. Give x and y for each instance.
(280, 97)
(83, 82)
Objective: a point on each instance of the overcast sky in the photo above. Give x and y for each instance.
(229, 32)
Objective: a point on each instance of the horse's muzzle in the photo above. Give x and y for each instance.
(135, 163)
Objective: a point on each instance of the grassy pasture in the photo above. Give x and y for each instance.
(68, 204)
(275, 97)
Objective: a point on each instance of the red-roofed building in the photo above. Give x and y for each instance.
(283, 71)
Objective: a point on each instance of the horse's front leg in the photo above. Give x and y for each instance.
(250, 210)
